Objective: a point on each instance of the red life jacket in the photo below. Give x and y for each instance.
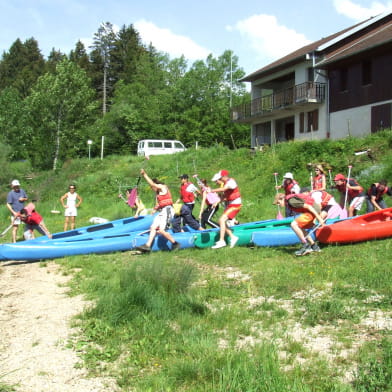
(379, 192)
(308, 199)
(32, 219)
(232, 194)
(288, 187)
(351, 192)
(164, 200)
(187, 197)
(325, 198)
(318, 182)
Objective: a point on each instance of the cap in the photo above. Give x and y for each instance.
(219, 175)
(184, 177)
(340, 177)
(15, 183)
(289, 175)
(278, 197)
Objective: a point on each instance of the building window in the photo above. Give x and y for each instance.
(301, 122)
(343, 79)
(311, 74)
(313, 121)
(366, 72)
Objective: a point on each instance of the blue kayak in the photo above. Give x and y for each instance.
(124, 225)
(51, 249)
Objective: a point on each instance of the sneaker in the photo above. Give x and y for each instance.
(176, 246)
(143, 248)
(304, 250)
(315, 248)
(219, 244)
(233, 241)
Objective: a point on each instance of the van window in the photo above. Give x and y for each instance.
(178, 145)
(167, 144)
(155, 144)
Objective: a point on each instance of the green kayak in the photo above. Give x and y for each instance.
(207, 238)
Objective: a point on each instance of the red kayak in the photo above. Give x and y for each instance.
(372, 226)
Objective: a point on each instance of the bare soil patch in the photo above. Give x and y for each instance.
(35, 314)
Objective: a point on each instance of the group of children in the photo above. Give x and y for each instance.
(316, 203)
(31, 218)
(306, 204)
(167, 216)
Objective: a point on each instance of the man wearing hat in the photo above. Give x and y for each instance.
(232, 195)
(187, 197)
(290, 187)
(15, 203)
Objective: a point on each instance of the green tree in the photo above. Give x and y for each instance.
(55, 57)
(125, 54)
(13, 130)
(61, 107)
(104, 40)
(21, 66)
(80, 57)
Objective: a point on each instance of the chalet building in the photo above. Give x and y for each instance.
(338, 86)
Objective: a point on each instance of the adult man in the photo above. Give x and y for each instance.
(164, 207)
(232, 195)
(374, 199)
(187, 196)
(15, 203)
(354, 192)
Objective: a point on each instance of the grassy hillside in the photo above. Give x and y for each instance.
(99, 181)
(242, 319)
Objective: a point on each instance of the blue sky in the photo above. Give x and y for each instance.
(257, 31)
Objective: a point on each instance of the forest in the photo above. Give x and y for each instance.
(117, 90)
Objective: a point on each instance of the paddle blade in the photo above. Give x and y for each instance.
(132, 197)
(279, 216)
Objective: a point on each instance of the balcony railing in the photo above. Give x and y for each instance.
(309, 92)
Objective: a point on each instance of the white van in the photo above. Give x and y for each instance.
(159, 147)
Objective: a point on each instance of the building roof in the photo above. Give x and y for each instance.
(328, 43)
(372, 39)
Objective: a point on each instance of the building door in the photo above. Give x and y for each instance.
(289, 131)
(381, 117)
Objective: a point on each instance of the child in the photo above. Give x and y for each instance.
(33, 221)
(209, 205)
(309, 211)
(137, 205)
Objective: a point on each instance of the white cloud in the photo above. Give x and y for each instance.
(166, 41)
(357, 12)
(267, 37)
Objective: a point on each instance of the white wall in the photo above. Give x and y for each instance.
(355, 122)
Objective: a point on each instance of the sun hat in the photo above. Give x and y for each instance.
(320, 167)
(340, 177)
(219, 175)
(15, 183)
(289, 176)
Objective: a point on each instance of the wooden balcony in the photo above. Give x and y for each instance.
(305, 93)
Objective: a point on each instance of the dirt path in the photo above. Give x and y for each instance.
(35, 312)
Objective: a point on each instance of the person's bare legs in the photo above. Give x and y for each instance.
(14, 232)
